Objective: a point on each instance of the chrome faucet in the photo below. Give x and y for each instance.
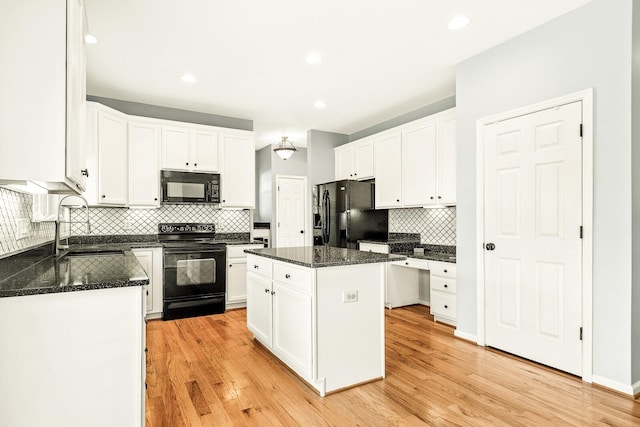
(59, 221)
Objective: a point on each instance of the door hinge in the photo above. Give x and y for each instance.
(581, 232)
(580, 130)
(580, 333)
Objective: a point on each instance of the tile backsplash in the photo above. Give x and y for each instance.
(145, 221)
(436, 226)
(15, 206)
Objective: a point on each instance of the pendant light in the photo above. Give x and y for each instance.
(285, 149)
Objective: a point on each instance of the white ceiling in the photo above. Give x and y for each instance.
(381, 58)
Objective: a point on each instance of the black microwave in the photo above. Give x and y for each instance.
(189, 187)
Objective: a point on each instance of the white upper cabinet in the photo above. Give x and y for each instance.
(354, 160)
(415, 164)
(238, 171)
(106, 150)
(43, 94)
(446, 155)
(388, 167)
(189, 148)
(144, 153)
(418, 163)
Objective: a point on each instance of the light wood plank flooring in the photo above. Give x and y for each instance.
(208, 371)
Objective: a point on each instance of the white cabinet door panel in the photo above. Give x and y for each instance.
(144, 174)
(204, 151)
(388, 167)
(419, 165)
(112, 159)
(175, 148)
(259, 307)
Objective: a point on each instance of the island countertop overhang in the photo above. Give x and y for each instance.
(323, 256)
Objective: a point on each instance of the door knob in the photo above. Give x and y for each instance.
(490, 246)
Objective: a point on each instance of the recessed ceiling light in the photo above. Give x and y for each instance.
(90, 39)
(313, 58)
(320, 104)
(188, 78)
(458, 22)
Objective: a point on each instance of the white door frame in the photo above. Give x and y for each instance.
(306, 210)
(586, 96)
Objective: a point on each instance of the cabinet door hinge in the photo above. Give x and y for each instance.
(581, 232)
(580, 130)
(580, 333)
(278, 188)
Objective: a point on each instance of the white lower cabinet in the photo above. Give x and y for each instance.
(443, 292)
(73, 358)
(302, 316)
(236, 294)
(151, 261)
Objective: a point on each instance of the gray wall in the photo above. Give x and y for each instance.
(320, 163)
(427, 110)
(264, 186)
(166, 113)
(589, 47)
(635, 260)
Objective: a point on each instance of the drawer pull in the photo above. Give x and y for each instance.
(445, 271)
(446, 306)
(446, 286)
(406, 263)
(287, 276)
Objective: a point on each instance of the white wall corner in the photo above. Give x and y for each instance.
(628, 389)
(465, 336)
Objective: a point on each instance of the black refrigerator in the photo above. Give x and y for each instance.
(345, 213)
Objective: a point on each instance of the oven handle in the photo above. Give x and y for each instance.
(177, 251)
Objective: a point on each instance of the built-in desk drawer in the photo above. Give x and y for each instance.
(260, 265)
(443, 305)
(444, 269)
(298, 277)
(421, 264)
(443, 284)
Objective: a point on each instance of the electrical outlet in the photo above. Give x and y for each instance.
(350, 296)
(23, 229)
(127, 225)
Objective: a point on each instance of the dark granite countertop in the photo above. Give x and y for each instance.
(323, 256)
(77, 272)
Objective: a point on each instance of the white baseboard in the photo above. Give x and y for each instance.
(629, 389)
(424, 302)
(465, 336)
(636, 388)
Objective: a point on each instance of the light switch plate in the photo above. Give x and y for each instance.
(24, 227)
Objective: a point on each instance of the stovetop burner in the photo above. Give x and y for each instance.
(179, 233)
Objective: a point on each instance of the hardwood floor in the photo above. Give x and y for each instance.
(208, 371)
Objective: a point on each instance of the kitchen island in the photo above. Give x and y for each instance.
(320, 310)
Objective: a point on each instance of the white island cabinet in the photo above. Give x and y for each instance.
(320, 310)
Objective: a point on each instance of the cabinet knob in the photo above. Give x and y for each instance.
(273, 292)
(287, 276)
(85, 172)
(446, 286)
(445, 271)
(350, 174)
(147, 292)
(355, 174)
(155, 199)
(266, 291)
(223, 201)
(103, 196)
(397, 200)
(439, 197)
(195, 164)
(431, 197)
(255, 266)
(446, 306)
(230, 265)
(187, 164)
(301, 231)
(406, 263)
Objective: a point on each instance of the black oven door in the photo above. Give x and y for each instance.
(194, 272)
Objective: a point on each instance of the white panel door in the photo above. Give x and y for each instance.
(533, 261)
(290, 211)
(419, 165)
